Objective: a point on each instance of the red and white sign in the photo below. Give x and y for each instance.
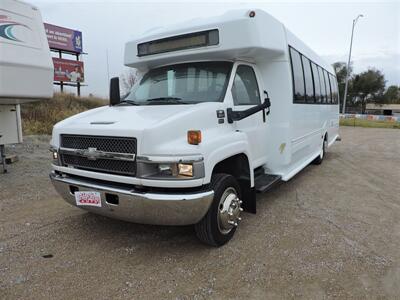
(68, 70)
(88, 199)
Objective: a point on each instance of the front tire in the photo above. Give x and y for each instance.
(219, 224)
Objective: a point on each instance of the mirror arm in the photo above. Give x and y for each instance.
(240, 115)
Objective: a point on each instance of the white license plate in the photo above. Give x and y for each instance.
(88, 199)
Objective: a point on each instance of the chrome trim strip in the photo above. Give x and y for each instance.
(93, 154)
(170, 159)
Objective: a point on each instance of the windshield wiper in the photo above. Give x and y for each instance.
(131, 102)
(174, 100)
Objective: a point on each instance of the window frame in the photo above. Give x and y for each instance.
(335, 93)
(297, 101)
(306, 60)
(256, 78)
(314, 67)
(324, 96)
(328, 88)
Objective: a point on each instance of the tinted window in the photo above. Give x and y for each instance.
(323, 86)
(328, 88)
(308, 80)
(245, 88)
(334, 89)
(298, 78)
(317, 83)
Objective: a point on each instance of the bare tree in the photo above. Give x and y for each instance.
(128, 79)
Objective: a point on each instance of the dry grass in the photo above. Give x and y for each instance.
(40, 117)
(368, 123)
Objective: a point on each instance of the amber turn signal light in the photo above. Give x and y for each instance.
(194, 137)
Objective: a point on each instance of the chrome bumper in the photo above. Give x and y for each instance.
(133, 206)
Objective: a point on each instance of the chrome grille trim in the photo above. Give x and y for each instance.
(98, 154)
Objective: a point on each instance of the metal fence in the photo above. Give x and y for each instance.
(391, 119)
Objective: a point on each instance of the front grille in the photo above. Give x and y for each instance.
(102, 143)
(125, 145)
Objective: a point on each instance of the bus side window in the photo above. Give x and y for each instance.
(317, 83)
(323, 85)
(308, 80)
(245, 88)
(297, 77)
(328, 88)
(334, 89)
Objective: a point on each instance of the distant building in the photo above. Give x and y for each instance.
(383, 109)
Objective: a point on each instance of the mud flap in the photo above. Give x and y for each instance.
(249, 196)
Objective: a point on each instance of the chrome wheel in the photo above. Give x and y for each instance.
(229, 210)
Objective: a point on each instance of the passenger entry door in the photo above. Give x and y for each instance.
(246, 93)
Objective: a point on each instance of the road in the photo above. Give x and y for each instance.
(333, 231)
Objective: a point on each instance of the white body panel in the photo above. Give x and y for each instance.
(26, 68)
(10, 124)
(290, 138)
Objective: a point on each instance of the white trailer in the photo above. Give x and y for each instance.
(226, 107)
(26, 68)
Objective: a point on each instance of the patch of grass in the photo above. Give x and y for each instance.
(40, 117)
(368, 123)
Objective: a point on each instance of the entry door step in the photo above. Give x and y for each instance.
(265, 182)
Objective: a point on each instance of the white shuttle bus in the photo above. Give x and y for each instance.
(226, 107)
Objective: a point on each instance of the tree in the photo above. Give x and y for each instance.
(128, 79)
(367, 86)
(392, 94)
(341, 71)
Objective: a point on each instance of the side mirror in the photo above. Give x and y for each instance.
(115, 97)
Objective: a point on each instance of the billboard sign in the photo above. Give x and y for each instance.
(67, 70)
(61, 38)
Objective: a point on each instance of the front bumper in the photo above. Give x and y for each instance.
(135, 206)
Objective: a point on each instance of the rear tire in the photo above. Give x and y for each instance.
(219, 224)
(321, 156)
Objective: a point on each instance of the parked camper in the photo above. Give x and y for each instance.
(26, 68)
(226, 107)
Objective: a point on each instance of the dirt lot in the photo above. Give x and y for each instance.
(331, 232)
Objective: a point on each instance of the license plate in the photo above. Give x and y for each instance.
(88, 199)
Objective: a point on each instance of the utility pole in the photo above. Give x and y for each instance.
(348, 65)
(108, 72)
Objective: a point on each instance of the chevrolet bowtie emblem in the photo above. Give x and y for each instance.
(94, 154)
(90, 153)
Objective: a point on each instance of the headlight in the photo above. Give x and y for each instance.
(170, 170)
(55, 156)
(185, 170)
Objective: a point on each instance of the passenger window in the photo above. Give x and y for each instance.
(334, 89)
(328, 88)
(323, 85)
(308, 80)
(245, 88)
(297, 76)
(317, 83)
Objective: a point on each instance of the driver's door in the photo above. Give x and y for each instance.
(246, 93)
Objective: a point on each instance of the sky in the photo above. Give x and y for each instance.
(325, 26)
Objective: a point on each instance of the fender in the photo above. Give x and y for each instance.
(224, 152)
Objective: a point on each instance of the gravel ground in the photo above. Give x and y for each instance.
(333, 231)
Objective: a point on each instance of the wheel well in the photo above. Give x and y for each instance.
(238, 166)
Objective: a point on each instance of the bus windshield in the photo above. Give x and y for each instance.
(187, 83)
